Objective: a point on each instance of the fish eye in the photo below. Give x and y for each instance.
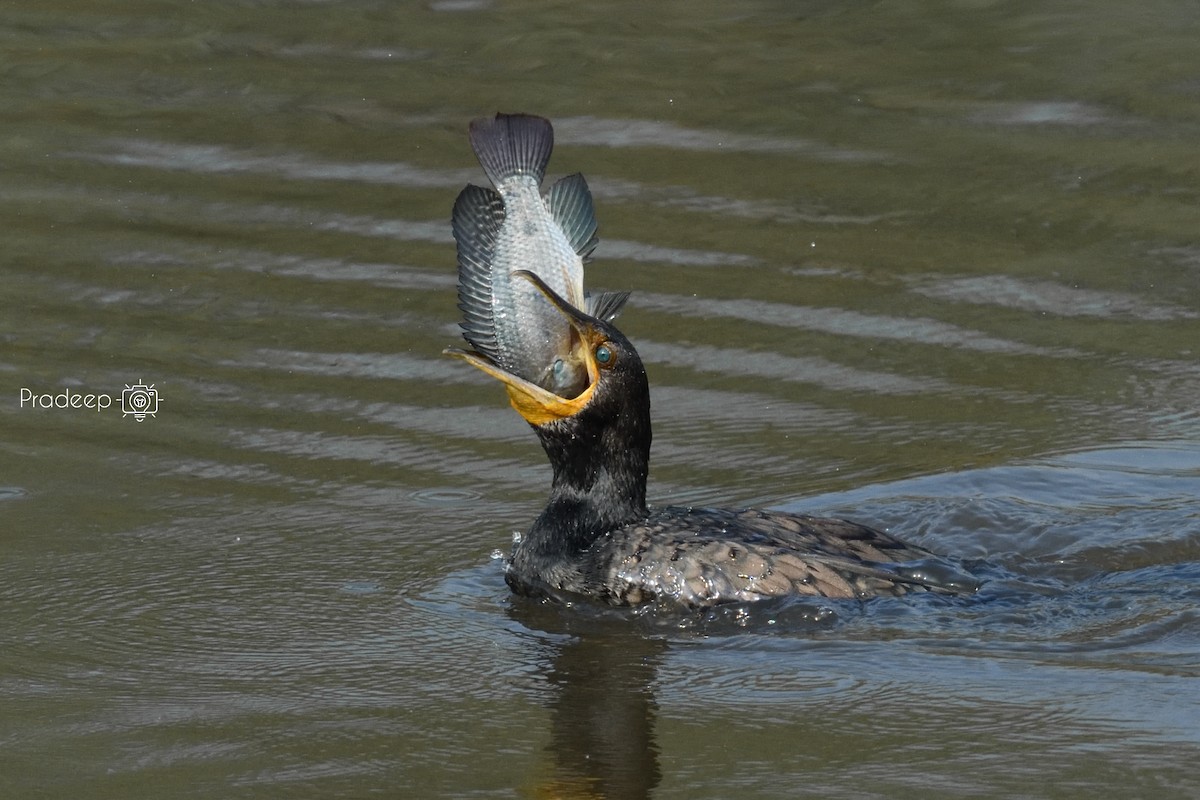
(605, 355)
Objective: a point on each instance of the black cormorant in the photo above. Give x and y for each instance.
(598, 539)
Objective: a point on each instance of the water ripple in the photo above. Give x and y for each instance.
(1049, 298)
(846, 322)
(648, 133)
(771, 367)
(219, 159)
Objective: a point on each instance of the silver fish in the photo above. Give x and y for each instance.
(506, 319)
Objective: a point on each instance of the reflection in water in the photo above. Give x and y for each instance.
(603, 712)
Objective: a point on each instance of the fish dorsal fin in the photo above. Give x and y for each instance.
(570, 203)
(606, 306)
(478, 213)
(512, 144)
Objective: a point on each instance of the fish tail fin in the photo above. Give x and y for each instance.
(512, 144)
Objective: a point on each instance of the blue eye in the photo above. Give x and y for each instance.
(604, 355)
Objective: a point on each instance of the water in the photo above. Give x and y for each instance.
(933, 267)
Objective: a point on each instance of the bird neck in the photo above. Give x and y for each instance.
(599, 478)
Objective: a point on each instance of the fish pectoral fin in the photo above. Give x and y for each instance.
(512, 144)
(476, 220)
(606, 306)
(478, 214)
(570, 203)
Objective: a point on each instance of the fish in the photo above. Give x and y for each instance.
(512, 227)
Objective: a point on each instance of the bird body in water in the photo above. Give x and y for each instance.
(598, 539)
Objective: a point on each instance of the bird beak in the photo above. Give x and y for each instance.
(537, 405)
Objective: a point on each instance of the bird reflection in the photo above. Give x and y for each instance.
(603, 712)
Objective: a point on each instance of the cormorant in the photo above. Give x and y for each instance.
(598, 539)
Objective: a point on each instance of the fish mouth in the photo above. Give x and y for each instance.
(539, 406)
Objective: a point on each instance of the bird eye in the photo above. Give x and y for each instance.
(605, 355)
